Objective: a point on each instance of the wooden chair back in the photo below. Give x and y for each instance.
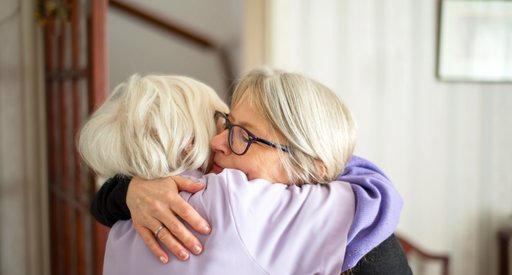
(410, 248)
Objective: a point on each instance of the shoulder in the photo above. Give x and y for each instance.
(276, 223)
(266, 198)
(282, 220)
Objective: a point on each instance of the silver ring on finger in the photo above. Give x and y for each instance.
(157, 231)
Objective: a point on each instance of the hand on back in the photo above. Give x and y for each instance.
(155, 206)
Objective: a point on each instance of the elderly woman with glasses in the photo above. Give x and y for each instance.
(277, 198)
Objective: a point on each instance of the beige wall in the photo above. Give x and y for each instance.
(255, 41)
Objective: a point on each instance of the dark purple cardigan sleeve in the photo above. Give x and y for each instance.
(378, 208)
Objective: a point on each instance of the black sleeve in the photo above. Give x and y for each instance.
(109, 203)
(388, 258)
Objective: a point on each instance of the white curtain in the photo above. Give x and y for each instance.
(446, 146)
(24, 243)
(12, 242)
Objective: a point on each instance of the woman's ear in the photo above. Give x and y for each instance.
(189, 147)
(322, 170)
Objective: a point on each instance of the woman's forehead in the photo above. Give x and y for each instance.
(245, 114)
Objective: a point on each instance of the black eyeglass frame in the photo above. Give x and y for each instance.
(252, 137)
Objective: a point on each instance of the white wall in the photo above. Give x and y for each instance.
(135, 47)
(447, 146)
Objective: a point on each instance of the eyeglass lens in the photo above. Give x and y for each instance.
(239, 139)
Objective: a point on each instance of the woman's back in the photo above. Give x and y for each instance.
(257, 228)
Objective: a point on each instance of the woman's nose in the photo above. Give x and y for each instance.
(219, 143)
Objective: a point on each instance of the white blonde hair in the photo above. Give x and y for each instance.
(152, 126)
(316, 124)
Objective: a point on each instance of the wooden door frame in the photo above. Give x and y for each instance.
(77, 241)
(98, 65)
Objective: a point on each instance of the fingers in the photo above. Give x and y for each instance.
(181, 208)
(188, 185)
(151, 243)
(173, 245)
(156, 202)
(166, 238)
(176, 228)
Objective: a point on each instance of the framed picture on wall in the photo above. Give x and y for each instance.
(475, 41)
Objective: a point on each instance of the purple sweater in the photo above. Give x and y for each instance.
(378, 207)
(284, 244)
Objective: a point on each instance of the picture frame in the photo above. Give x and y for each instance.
(474, 41)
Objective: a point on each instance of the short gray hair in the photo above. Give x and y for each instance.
(318, 127)
(152, 126)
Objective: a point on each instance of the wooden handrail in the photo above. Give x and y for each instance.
(171, 27)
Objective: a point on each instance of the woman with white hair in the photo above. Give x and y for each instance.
(280, 130)
(152, 127)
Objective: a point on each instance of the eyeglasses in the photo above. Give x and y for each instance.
(239, 138)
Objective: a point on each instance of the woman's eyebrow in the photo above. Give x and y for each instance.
(246, 124)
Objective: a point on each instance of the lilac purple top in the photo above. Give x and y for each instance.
(264, 228)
